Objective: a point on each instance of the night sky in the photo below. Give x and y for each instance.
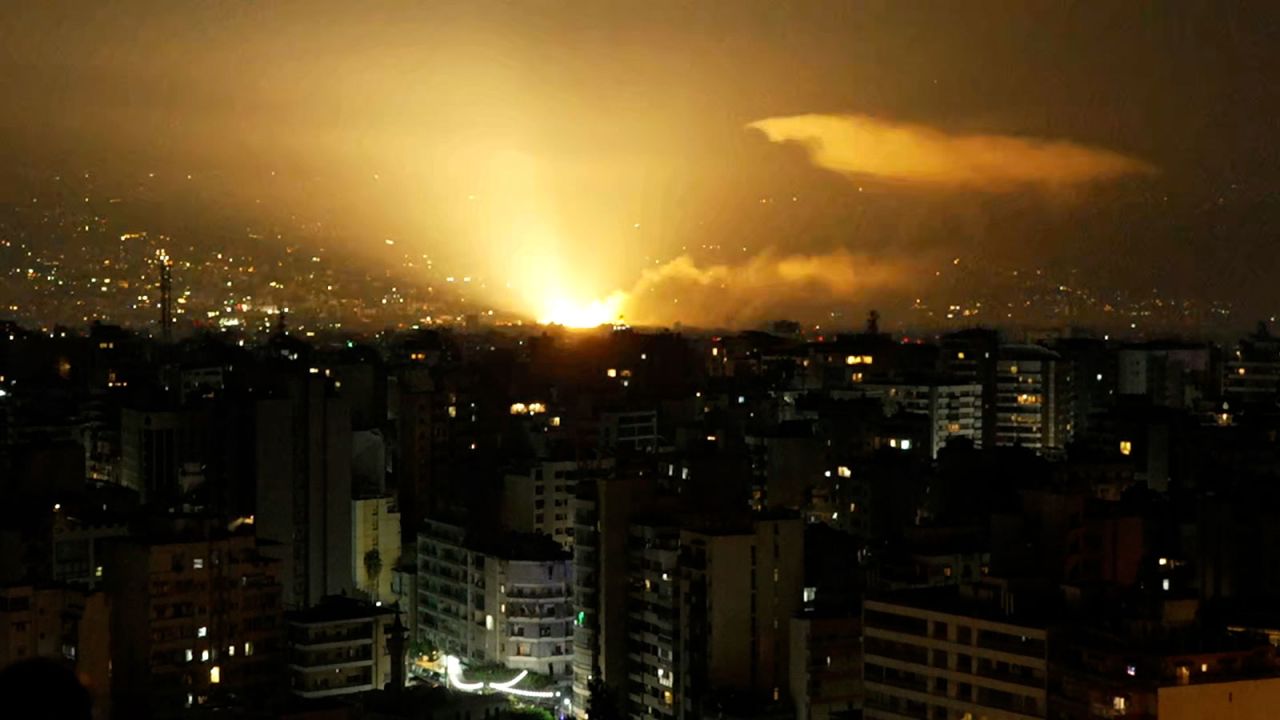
(705, 161)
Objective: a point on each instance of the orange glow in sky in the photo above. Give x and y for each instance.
(571, 314)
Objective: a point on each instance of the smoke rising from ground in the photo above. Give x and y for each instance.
(859, 145)
(767, 286)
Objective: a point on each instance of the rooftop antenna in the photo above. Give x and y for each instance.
(166, 294)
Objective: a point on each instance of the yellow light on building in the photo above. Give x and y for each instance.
(856, 377)
(215, 675)
(1126, 447)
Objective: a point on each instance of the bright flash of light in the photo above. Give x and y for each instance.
(561, 311)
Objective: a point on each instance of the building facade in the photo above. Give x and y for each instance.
(497, 603)
(338, 647)
(195, 611)
(930, 658)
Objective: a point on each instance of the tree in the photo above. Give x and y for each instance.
(530, 713)
(373, 568)
(601, 703)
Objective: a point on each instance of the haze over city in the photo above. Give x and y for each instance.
(716, 164)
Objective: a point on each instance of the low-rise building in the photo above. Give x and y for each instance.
(338, 647)
(951, 653)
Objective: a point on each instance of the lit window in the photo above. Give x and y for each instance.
(198, 563)
(215, 675)
(715, 352)
(488, 622)
(810, 593)
(1164, 584)
(190, 655)
(1131, 670)
(555, 421)
(1118, 703)
(1204, 667)
(843, 471)
(960, 355)
(905, 444)
(893, 442)
(519, 409)
(1163, 561)
(204, 656)
(667, 697)
(231, 650)
(453, 411)
(1126, 447)
(856, 377)
(97, 571)
(946, 571)
(248, 648)
(1240, 371)
(202, 631)
(611, 372)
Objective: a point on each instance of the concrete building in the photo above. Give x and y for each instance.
(338, 647)
(504, 601)
(303, 489)
(1162, 666)
(826, 666)
(630, 429)
(954, 409)
(540, 499)
(196, 610)
(602, 518)
(60, 623)
(1253, 370)
(709, 614)
(77, 549)
(375, 545)
(940, 654)
(1168, 374)
(1033, 406)
(155, 445)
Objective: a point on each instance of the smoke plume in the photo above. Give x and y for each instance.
(858, 145)
(768, 286)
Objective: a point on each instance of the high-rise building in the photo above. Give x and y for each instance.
(196, 611)
(1033, 399)
(540, 498)
(603, 511)
(709, 615)
(954, 409)
(503, 600)
(303, 495)
(155, 445)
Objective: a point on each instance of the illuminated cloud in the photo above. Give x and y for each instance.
(764, 287)
(858, 145)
